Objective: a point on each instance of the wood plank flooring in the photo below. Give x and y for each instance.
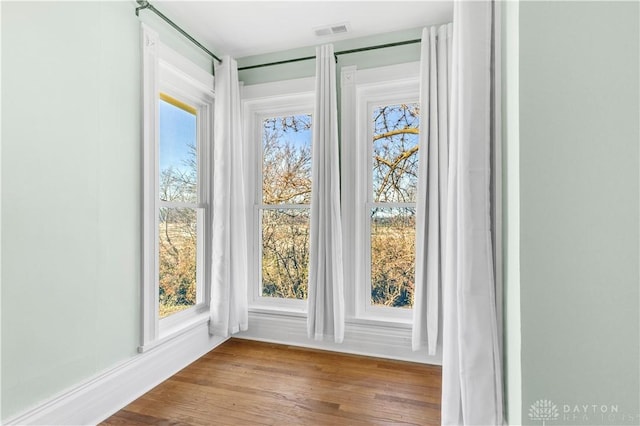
(244, 382)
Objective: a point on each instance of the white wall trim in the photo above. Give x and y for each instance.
(150, 88)
(392, 341)
(348, 160)
(382, 75)
(185, 69)
(511, 225)
(95, 399)
(278, 89)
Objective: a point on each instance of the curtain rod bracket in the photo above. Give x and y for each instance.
(143, 5)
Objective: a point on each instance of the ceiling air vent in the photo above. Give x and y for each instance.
(332, 29)
(339, 29)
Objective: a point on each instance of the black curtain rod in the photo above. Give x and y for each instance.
(336, 54)
(146, 5)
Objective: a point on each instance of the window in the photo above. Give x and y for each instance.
(284, 209)
(379, 192)
(178, 116)
(181, 218)
(279, 131)
(391, 209)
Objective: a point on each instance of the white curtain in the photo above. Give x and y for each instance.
(229, 311)
(326, 295)
(435, 94)
(471, 365)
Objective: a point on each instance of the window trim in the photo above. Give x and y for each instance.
(165, 71)
(264, 101)
(362, 90)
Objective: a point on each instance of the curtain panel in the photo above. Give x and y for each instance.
(326, 295)
(431, 200)
(471, 364)
(229, 305)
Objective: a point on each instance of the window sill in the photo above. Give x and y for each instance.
(279, 311)
(382, 322)
(288, 312)
(180, 328)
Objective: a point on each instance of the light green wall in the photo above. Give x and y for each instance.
(70, 195)
(71, 192)
(579, 215)
(1, 417)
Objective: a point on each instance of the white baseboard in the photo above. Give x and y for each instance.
(96, 399)
(377, 340)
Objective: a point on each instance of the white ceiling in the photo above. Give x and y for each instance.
(244, 28)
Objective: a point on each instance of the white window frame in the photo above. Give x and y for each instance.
(168, 72)
(362, 91)
(263, 101)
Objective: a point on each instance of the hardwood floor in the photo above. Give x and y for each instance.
(244, 382)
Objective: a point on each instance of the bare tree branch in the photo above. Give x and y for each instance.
(406, 130)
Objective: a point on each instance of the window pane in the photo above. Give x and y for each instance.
(178, 165)
(177, 259)
(392, 256)
(395, 152)
(285, 253)
(286, 167)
